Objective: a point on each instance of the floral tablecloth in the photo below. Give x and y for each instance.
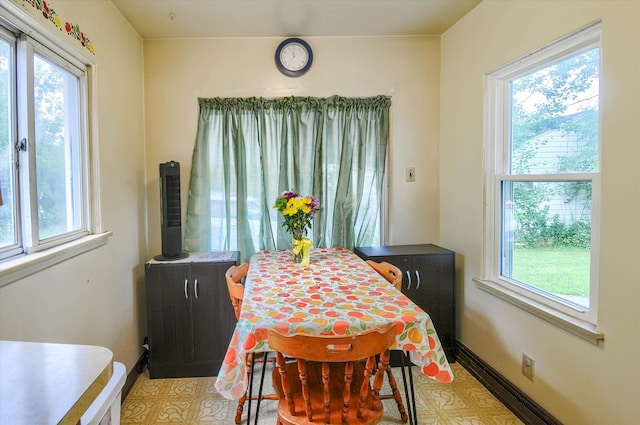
(337, 293)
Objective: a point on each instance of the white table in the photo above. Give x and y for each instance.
(47, 383)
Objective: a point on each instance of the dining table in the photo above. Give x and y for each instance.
(338, 293)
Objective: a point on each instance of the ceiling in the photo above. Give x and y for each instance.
(281, 18)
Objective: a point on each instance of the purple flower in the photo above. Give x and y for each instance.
(287, 194)
(314, 205)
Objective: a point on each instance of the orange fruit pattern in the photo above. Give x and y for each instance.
(337, 294)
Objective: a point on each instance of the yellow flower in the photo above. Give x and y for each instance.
(298, 202)
(305, 205)
(292, 207)
(298, 212)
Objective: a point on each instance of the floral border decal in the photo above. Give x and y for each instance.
(71, 29)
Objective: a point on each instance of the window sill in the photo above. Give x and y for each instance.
(580, 328)
(25, 265)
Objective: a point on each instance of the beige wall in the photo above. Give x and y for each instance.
(96, 298)
(576, 381)
(177, 72)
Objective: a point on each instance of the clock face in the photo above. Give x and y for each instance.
(294, 57)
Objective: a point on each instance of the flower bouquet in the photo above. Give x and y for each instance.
(298, 211)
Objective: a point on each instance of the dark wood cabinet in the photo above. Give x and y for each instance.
(428, 279)
(189, 316)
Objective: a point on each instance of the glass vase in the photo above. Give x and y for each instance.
(297, 236)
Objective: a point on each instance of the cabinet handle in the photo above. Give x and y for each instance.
(418, 276)
(409, 277)
(195, 289)
(186, 294)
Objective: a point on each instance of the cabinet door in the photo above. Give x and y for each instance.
(169, 314)
(434, 292)
(213, 318)
(428, 280)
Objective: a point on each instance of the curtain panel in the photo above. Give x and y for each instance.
(249, 150)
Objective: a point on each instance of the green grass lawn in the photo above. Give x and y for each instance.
(561, 271)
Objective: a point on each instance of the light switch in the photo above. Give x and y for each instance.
(410, 174)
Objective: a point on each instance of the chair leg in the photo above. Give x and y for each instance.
(240, 408)
(250, 396)
(244, 398)
(396, 394)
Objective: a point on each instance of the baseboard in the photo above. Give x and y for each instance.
(128, 384)
(136, 371)
(513, 398)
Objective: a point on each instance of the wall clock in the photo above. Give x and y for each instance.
(294, 57)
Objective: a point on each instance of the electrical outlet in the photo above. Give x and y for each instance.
(410, 174)
(528, 367)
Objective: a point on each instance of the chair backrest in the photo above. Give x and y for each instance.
(389, 272)
(234, 276)
(327, 368)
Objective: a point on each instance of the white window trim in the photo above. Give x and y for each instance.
(20, 266)
(25, 265)
(580, 328)
(580, 322)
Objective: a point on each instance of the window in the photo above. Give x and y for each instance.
(543, 176)
(44, 149)
(44, 167)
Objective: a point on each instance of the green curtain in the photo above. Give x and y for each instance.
(248, 150)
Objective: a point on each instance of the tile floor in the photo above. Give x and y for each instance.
(194, 401)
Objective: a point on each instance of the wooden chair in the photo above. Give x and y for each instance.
(328, 382)
(235, 276)
(390, 272)
(394, 276)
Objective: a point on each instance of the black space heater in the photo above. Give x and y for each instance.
(170, 214)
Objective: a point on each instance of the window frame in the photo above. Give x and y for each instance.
(31, 242)
(15, 249)
(576, 319)
(30, 37)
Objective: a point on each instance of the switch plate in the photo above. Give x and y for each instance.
(528, 367)
(410, 174)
